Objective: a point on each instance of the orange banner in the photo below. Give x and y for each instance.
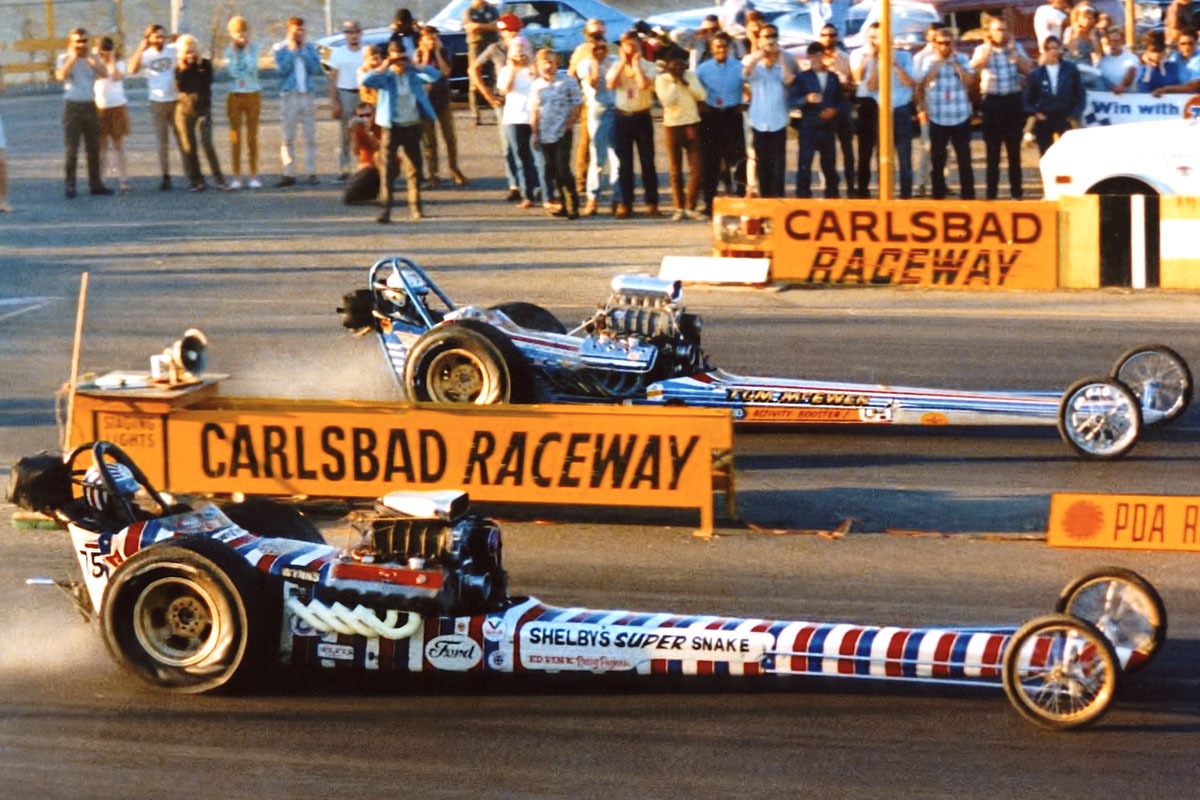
(547, 455)
(1125, 522)
(952, 245)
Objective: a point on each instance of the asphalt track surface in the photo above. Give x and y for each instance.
(261, 275)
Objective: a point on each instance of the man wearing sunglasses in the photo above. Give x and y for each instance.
(840, 66)
(78, 70)
(1002, 66)
(942, 90)
(769, 72)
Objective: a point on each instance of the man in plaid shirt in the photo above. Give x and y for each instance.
(1002, 66)
(942, 89)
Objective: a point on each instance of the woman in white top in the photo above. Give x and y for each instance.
(513, 83)
(114, 117)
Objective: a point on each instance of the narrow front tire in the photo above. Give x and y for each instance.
(1159, 378)
(1125, 607)
(1060, 672)
(1099, 418)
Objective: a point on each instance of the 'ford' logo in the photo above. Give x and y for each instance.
(453, 653)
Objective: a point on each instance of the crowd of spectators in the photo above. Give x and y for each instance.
(728, 94)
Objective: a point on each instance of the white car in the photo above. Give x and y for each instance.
(1152, 158)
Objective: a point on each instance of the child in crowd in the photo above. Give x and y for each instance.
(554, 106)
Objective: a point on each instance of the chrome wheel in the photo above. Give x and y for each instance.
(1160, 379)
(1099, 418)
(1123, 606)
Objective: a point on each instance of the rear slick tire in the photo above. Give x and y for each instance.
(186, 616)
(1159, 378)
(465, 362)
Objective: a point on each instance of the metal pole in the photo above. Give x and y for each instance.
(179, 17)
(887, 155)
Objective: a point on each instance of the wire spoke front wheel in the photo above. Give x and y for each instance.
(1160, 379)
(1060, 672)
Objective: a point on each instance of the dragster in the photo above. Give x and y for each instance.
(195, 599)
(643, 347)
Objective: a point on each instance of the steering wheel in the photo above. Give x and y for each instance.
(121, 507)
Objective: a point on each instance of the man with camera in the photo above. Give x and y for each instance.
(631, 79)
(154, 59)
(1002, 65)
(402, 104)
(298, 64)
(769, 72)
(943, 85)
(78, 69)
(866, 72)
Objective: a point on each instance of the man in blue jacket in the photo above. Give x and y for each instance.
(1053, 95)
(818, 94)
(401, 105)
(299, 65)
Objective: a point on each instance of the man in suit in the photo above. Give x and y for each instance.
(818, 94)
(1053, 95)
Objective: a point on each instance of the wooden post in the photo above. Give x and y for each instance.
(49, 4)
(73, 383)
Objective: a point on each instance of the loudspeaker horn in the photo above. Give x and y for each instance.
(183, 362)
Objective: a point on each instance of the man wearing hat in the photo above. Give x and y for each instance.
(402, 104)
(495, 56)
(479, 21)
(593, 32)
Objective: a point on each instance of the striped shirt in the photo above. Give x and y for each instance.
(999, 75)
(946, 100)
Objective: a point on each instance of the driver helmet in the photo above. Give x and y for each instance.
(395, 291)
(95, 490)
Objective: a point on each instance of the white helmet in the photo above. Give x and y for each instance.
(95, 489)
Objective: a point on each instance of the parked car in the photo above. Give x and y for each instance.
(546, 23)
(909, 21)
(1114, 159)
(690, 19)
(795, 24)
